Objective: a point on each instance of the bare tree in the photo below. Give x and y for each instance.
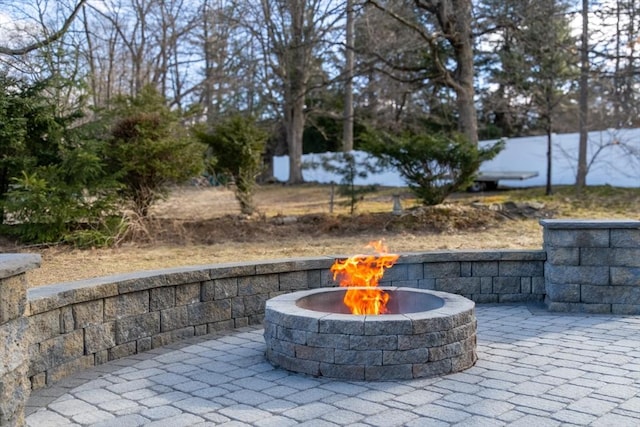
(293, 36)
(347, 120)
(453, 20)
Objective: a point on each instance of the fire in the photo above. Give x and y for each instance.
(361, 274)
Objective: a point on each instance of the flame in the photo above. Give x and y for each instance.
(361, 274)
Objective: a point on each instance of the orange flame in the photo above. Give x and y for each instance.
(361, 273)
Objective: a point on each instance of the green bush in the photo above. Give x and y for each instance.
(149, 149)
(237, 144)
(434, 165)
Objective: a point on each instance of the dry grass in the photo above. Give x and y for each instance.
(201, 226)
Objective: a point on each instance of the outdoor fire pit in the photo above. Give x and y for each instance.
(362, 331)
(424, 333)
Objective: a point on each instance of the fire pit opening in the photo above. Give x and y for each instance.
(400, 301)
(423, 333)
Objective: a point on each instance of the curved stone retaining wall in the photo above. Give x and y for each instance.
(81, 324)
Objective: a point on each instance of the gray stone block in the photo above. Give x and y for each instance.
(122, 350)
(341, 324)
(296, 264)
(396, 273)
(581, 238)
(511, 298)
(506, 285)
(486, 285)
(314, 279)
(610, 294)
(385, 325)
(629, 276)
(415, 271)
(209, 311)
(293, 335)
(388, 372)
(237, 307)
(44, 325)
(460, 285)
(400, 357)
(67, 323)
(187, 294)
(626, 309)
(344, 372)
(484, 268)
(538, 285)
(365, 342)
(232, 270)
(240, 322)
(595, 256)
(294, 280)
(358, 357)
(432, 369)
(165, 338)
(99, 337)
(256, 285)
(143, 344)
(13, 294)
(626, 257)
(446, 351)
(328, 340)
(625, 238)
(485, 298)
(320, 354)
(88, 313)
(223, 325)
(59, 372)
(427, 284)
(136, 327)
(222, 288)
(465, 268)
(441, 269)
(255, 304)
(464, 361)
(174, 318)
(563, 292)
(161, 298)
(521, 268)
(525, 285)
(563, 256)
(584, 275)
(61, 349)
(130, 304)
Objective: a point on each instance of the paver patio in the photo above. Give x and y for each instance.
(534, 369)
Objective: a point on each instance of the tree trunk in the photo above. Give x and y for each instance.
(295, 127)
(347, 130)
(549, 188)
(581, 178)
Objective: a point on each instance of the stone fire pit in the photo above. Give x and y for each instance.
(425, 333)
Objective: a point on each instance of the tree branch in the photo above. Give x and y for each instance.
(47, 41)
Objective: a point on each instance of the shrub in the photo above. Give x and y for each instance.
(237, 144)
(433, 165)
(149, 149)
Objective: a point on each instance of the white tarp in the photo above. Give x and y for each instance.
(617, 162)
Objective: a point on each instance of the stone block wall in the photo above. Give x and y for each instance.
(14, 337)
(81, 324)
(592, 266)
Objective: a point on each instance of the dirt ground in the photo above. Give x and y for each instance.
(197, 226)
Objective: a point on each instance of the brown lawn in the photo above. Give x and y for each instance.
(196, 226)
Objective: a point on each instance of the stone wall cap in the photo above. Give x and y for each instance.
(589, 223)
(14, 264)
